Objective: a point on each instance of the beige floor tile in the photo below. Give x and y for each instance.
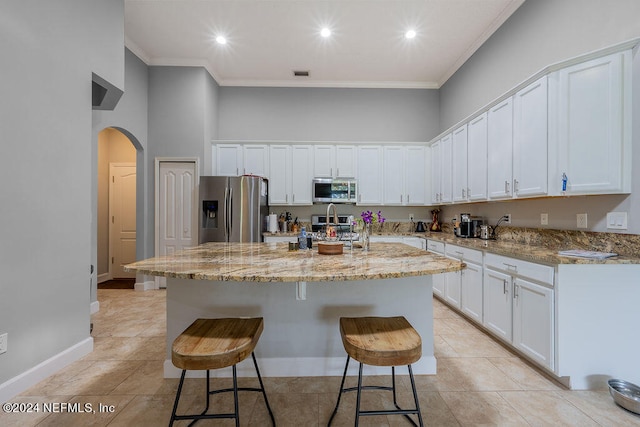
(472, 374)
(98, 411)
(547, 408)
(482, 409)
(600, 406)
(27, 411)
(524, 374)
(475, 345)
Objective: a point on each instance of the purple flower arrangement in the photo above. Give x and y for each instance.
(368, 217)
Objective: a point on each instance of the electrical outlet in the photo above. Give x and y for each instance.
(507, 219)
(581, 220)
(411, 217)
(544, 219)
(3, 342)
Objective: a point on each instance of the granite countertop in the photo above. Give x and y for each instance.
(273, 262)
(528, 252)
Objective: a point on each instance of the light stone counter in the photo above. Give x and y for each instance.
(273, 262)
(301, 295)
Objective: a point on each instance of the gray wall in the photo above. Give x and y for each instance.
(540, 33)
(182, 121)
(321, 114)
(49, 50)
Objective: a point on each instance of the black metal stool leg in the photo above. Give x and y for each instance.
(175, 403)
(264, 392)
(235, 396)
(358, 396)
(344, 376)
(415, 395)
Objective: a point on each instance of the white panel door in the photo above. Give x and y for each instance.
(477, 158)
(416, 175)
(459, 164)
(500, 146)
(533, 321)
(324, 161)
(345, 161)
(279, 174)
(497, 303)
(122, 209)
(436, 176)
(369, 176)
(301, 166)
(393, 172)
(446, 156)
(530, 140)
(255, 160)
(471, 291)
(177, 215)
(228, 161)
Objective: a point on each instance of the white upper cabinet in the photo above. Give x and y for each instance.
(446, 155)
(500, 146)
(369, 176)
(301, 163)
(228, 159)
(255, 160)
(416, 185)
(436, 176)
(590, 128)
(334, 161)
(279, 174)
(290, 174)
(477, 158)
(404, 175)
(459, 164)
(530, 140)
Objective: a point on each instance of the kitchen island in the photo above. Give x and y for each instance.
(301, 295)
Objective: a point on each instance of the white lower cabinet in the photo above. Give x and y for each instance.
(471, 290)
(453, 280)
(519, 305)
(533, 321)
(437, 279)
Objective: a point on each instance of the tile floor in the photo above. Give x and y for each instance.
(479, 382)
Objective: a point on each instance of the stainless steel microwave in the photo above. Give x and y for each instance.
(329, 190)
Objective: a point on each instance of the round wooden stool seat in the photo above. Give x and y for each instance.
(216, 343)
(381, 341)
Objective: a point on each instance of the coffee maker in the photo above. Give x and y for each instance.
(469, 226)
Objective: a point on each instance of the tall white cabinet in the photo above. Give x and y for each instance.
(477, 158)
(591, 126)
(500, 146)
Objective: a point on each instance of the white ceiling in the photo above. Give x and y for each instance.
(269, 39)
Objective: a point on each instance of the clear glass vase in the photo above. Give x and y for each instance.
(366, 237)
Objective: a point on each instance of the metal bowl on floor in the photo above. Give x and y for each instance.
(625, 394)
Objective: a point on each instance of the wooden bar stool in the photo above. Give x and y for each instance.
(380, 341)
(213, 344)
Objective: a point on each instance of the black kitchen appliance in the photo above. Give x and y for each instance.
(469, 226)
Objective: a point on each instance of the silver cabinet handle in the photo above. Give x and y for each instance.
(515, 185)
(337, 171)
(468, 192)
(293, 198)
(463, 193)
(407, 198)
(331, 171)
(504, 286)
(286, 198)
(515, 290)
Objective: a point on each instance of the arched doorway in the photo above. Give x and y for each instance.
(116, 211)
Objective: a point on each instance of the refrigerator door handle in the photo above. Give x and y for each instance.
(229, 216)
(226, 214)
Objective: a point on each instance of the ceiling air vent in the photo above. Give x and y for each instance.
(300, 73)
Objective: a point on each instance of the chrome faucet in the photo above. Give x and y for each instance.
(335, 214)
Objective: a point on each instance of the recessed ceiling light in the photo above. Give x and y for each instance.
(325, 32)
(410, 34)
(221, 40)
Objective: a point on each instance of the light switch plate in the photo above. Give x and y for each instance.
(3, 342)
(617, 220)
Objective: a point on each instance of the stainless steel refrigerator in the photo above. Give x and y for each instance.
(233, 208)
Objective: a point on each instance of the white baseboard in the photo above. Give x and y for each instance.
(94, 307)
(304, 367)
(18, 384)
(145, 286)
(103, 277)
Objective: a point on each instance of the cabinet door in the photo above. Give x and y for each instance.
(452, 283)
(345, 161)
(497, 303)
(471, 291)
(446, 156)
(438, 284)
(459, 164)
(228, 159)
(533, 321)
(436, 177)
(279, 174)
(369, 176)
(500, 148)
(477, 158)
(415, 175)
(530, 140)
(593, 126)
(256, 160)
(323, 161)
(393, 172)
(301, 166)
